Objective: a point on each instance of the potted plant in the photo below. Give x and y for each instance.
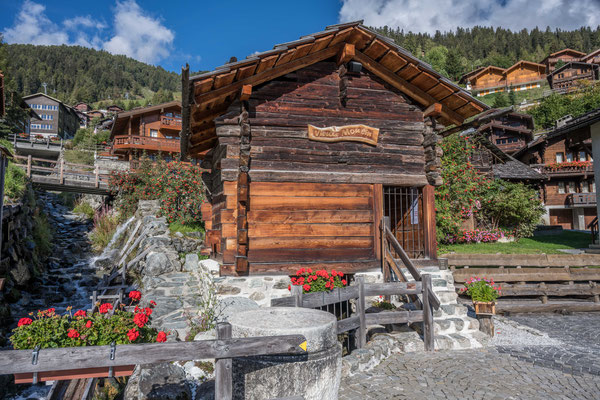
(383, 304)
(48, 329)
(318, 281)
(483, 292)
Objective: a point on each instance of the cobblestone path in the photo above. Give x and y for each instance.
(566, 371)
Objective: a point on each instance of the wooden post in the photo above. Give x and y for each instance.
(186, 94)
(62, 168)
(97, 183)
(223, 367)
(29, 166)
(429, 222)
(360, 308)
(428, 334)
(387, 276)
(297, 293)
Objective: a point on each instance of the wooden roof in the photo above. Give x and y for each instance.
(523, 62)
(464, 78)
(214, 91)
(121, 119)
(576, 53)
(590, 55)
(573, 64)
(489, 68)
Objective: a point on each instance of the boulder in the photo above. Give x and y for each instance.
(20, 274)
(158, 263)
(230, 306)
(191, 262)
(159, 381)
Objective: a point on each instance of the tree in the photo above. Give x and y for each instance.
(162, 96)
(559, 64)
(500, 101)
(436, 57)
(454, 65)
(512, 97)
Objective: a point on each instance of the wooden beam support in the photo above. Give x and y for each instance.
(269, 74)
(434, 110)
(411, 90)
(246, 92)
(345, 54)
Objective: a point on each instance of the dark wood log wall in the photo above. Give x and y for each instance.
(311, 203)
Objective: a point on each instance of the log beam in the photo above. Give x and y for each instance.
(246, 92)
(345, 54)
(434, 110)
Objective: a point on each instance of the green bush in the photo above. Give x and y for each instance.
(186, 228)
(84, 208)
(77, 156)
(105, 225)
(42, 236)
(15, 182)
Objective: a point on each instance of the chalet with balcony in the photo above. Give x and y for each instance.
(564, 156)
(523, 75)
(150, 130)
(114, 109)
(95, 114)
(83, 107)
(571, 75)
(592, 58)
(510, 132)
(563, 56)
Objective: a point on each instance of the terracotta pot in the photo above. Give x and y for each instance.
(485, 308)
(68, 374)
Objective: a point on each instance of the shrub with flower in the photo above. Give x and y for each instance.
(481, 289)
(49, 329)
(318, 281)
(477, 236)
(569, 164)
(384, 305)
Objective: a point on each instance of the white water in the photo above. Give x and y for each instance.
(109, 247)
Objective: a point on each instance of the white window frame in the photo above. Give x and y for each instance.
(561, 188)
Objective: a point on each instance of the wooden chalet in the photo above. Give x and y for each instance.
(522, 75)
(83, 107)
(564, 55)
(592, 58)
(311, 144)
(149, 130)
(509, 132)
(114, 109)
(569, 76)
(95, 114)
(564, 156)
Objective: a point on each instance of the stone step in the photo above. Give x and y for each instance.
(592, 251)
(455, 325)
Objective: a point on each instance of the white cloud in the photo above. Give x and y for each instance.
(83, 21)
(446, 15)
(138, 35)
(32, 26)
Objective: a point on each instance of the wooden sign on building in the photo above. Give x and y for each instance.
(312, 144)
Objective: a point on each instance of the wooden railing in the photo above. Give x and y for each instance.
(550, 170)
(362, 320)
(582, 199)
(593, 226)
(223, 349)
(146, 142)
(31, 141)
(170, 122)
(506, 84)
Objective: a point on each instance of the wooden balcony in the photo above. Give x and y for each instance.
(582, 199)
(567, 170)
(507, 84)
(146, 143)
(170, 123)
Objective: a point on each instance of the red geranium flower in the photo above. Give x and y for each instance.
(133, 334)
(73, 334)
(152, 303)
(88, 324)
(104, 308)
(135, 295)
(79, 313)
(24, 321)
(140, 319)
(161, 337)
(148, 311)
(306, 287)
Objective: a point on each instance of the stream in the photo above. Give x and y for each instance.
(69, 279)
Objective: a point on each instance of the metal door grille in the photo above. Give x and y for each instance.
(404, 207)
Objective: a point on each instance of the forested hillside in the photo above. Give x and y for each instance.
(75, 73)
(454, 53)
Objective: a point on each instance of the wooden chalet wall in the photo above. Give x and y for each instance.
(303, 201)
(524, 72)
(490, 78)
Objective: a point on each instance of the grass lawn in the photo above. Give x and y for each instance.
(534, 245)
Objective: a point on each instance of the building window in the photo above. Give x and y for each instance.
(585, 187)
(593, 186)
(569, 157)
(582, 156)
(153, 133)
(572, 187)
(561, 187)
(560, 157)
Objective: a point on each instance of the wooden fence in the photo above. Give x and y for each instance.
(363, 319)
(42, 363)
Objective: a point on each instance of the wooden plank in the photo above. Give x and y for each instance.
(294, 230)
(266, 63)
(311, 242)
(391, 61)
(428, 331)
(345, 54)
(319, 299)
(19, 361)
(303, 255)
(392, 288)
(361, 309)
(246, 92)
(291, 189)
(376, 49)
(397, 179)
(310, 203)
(377, 218)
(503, 307)
(348, 324)
(528, 274)
(290, 268)
(550, 290)
(394, 317)
(429, 222)
(223, 367)
(314, 216)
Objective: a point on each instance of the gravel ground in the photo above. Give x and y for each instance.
(510, 333)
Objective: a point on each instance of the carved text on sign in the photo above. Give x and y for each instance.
(352, 133)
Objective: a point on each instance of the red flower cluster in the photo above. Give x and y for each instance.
(161, 337)
(133, 334)
(24, 321)
(88, 324)
(104, 308)
(135, 295)
(79, 313)
(317, 281)
(140, 319)
(73, 334)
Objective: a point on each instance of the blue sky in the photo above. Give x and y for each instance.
(207, 33)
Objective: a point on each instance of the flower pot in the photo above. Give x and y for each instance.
(68, 374)
(485, 308)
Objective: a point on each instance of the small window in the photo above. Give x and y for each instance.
(560, 157)
(585, 187)
(153, 133)
(569, 157)
(582, 156)
(561, 187)
(593, 186)
(572, 187)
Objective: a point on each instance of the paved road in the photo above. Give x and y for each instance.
(569, 370)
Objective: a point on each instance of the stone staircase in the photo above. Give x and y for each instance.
(593, 249)
(453, 327)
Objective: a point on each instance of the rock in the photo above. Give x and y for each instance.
(210, 265)
(159, 381)
(20, 274)
(157, 263)
(191, 262)
(207, 335)
(281, 284)
(228, 289)
(230, 306)
(257, 296)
